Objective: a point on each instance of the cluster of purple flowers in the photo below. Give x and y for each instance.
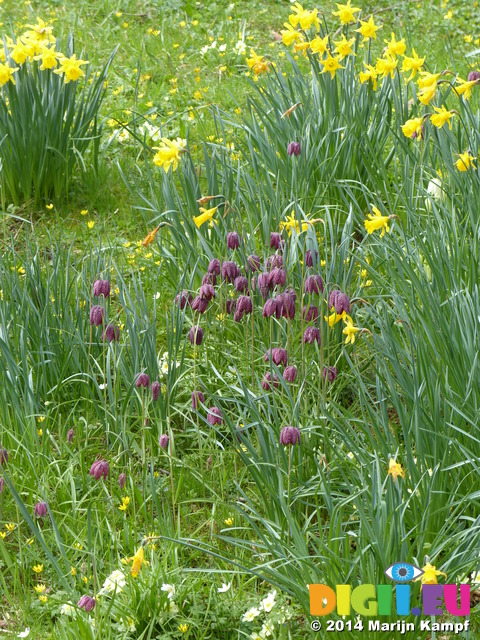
(214, 415)
(111, 332)
(143, 380)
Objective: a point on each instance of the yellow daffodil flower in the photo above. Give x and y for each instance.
(168, 155)
(413, 64)
(6, 74)
(441, 116)
(395, 470)
(428, 79)
(414, 125)
(292, 223)
(205, 216)
(70, 67)
(290, 35)
(343, 47)
(394, 47)
(465, 88)
(335, 317)
(49, 58)
(465, 161)
(370, 73)
(386, 66)
(427, 94)
(256, 63)
(346, 12)
(377, 221)
(430, 574)
(303, 17)
(350, 330)
(319, 45)
(368, 29)
(330, 65)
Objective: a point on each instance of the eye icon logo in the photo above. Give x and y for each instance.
(403, 572)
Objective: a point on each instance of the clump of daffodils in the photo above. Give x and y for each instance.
(37, 47)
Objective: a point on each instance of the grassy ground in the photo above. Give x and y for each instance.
(176, 62)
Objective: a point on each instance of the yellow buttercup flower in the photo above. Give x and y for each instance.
(38, 568)
(205, 216)
(138, 560)
(465, 161)
(377, 221)
(395, 469)
(70, 68)
(228, 522)
(39, 588)
(183, 628)
(91, 224)
(350, 330)
(330, 65)
(430, 574)
(346, 12)
(168, 154)
(412, 126)
(441, 116)
(125, 503)
(368, 29)
(43, 599)
(3, 535)
(10, 527)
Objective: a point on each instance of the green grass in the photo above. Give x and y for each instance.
(226, 502)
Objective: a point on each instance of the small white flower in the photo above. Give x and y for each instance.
(164, 368)
(350, 455)
(266, 630)
(115, 580)
(250, 615)
(224, 588)
(157, 295)
(222, 47)
(102, 386)
(169, 588)
(268, 603)
(476, 577)
(67, 609)
(434, 189)
(24, 634)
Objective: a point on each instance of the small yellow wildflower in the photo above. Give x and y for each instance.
(73, 571)
(43, 599)
(39, 588)
(10, 527)
(91, 224)
(138, 560)
(3, 535)
(125, 503)
(38, 568)
(49, 206)
(395, 469)
(84, 212)
(228, 522)
(183, 628)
